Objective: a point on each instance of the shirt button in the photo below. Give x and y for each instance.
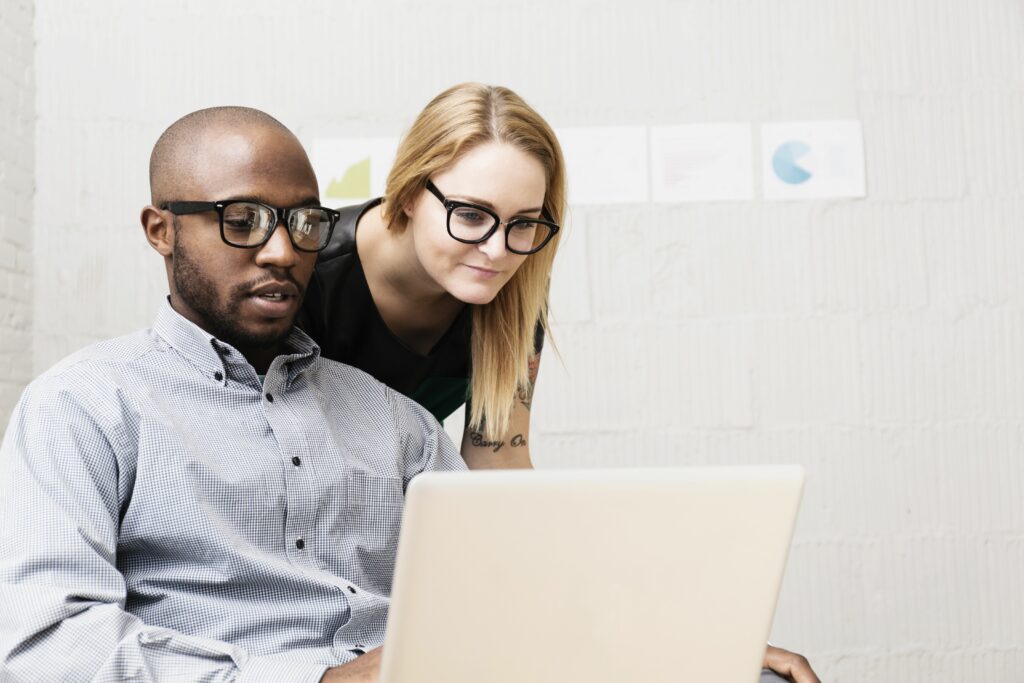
(351, 589)
(296, 461)
(218, 375)
(270, 398)
(300, 544)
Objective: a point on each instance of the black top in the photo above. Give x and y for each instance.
(340, 315)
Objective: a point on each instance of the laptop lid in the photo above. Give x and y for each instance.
(589, 575)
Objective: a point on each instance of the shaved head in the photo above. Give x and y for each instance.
(181, 148)
(246, 297)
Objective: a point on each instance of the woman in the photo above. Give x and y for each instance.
(439, 289)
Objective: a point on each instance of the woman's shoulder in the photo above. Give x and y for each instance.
(343, 239)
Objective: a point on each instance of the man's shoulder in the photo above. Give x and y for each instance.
(346, 379)
(97, 360)
(97, 383)
(389, 415)
(347, 384)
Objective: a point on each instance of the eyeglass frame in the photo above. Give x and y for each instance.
(187, 208)
(451, 204)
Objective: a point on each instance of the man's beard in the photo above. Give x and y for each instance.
(220, 319)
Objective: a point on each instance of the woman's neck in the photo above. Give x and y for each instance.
(413, 306)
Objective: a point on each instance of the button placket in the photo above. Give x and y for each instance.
(300, 515)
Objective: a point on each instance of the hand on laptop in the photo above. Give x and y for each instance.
(363, 669)
(789, 664)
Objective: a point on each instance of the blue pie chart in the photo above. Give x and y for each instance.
(784, 162)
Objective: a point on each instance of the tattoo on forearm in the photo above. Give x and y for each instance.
(478, 440)
(525, 394)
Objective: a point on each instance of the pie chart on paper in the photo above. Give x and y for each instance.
(784, 162)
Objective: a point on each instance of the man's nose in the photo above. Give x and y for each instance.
(279, 250)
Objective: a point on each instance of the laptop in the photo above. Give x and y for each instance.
(589, 576)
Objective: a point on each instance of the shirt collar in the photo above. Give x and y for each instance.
(210, 354)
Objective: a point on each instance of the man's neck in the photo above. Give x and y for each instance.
(261, 358)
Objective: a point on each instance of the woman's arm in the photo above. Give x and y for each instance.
(512, 449)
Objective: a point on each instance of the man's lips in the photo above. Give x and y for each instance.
(275, 299)
(275, 290)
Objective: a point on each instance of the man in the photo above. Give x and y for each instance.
(209, 499)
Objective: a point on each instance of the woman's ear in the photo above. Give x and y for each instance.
(159, 229)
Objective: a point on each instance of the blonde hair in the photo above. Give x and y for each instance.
(456, 121)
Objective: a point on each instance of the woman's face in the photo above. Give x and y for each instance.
(497, 176)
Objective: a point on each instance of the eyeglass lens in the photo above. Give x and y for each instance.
(246, 224)
(471, 224)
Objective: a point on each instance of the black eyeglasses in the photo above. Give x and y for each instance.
(247, 224)
(472, 224)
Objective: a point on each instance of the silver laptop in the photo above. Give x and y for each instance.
(589, 575)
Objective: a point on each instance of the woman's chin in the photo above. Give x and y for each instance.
(478, 296)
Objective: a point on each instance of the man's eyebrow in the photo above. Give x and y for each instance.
(309, 200)
(484, 202)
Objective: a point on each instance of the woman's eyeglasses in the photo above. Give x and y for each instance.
(472, 224)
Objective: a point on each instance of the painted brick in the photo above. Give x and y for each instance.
(994, 138)
(17, 120)
(876, 342)
(570, 282)
(973, 253)
(868, 258)
(915, 146)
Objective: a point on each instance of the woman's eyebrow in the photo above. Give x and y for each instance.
(489, 205)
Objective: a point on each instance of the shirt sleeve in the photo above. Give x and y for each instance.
(425, 443)
(63, 616)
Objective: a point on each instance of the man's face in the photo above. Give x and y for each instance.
(246, 297)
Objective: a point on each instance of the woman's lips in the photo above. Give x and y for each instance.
(485, 273)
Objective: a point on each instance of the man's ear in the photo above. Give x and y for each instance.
(159, 229)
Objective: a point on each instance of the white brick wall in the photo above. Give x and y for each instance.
(17, 156)
(877, 342)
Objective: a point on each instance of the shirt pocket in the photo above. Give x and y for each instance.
(369, 526)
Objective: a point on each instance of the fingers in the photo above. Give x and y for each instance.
(789, 664)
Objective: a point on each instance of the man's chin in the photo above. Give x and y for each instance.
(266, 336)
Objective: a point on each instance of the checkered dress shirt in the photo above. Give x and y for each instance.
(164, 517)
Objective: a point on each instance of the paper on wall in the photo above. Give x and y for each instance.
(352, 170)
(702, 162)
(813, 159)
(606, 165)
